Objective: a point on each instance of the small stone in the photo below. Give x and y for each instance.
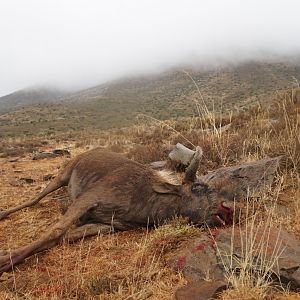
(43, 155)
(201, 290)
(13, 159)
(48, 177)
(61, 152)
(27, 180)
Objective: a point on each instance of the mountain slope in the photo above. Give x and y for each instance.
(166, 95)
(28, 97)
(173, 93)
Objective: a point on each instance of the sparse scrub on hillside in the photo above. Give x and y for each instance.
(19, 146)
(168, 95)
(132, 265)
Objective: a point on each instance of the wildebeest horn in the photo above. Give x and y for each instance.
(190, 174)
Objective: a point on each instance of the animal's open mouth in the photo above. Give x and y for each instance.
(220, 219)
(223, 216)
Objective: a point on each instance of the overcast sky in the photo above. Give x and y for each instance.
(76, 44)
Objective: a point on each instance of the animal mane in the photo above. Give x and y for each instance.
(169, 177)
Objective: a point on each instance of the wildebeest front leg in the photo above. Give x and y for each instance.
(80, 206)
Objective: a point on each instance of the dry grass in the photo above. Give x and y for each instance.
(120, 266)
(251, 274)
(132, 265)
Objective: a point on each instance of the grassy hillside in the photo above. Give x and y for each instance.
(172, 94)
(28, 97)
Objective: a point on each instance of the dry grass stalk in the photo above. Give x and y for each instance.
(251, 275)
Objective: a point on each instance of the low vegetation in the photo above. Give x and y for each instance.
(135, 264)
(167, 95)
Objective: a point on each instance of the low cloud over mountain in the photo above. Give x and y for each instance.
(76, 44)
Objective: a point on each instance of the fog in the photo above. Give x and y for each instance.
(75, 44)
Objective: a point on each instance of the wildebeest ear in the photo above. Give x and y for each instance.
(166, 188)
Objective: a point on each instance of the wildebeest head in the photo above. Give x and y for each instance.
(220, 212)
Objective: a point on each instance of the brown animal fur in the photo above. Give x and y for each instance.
(111, 192)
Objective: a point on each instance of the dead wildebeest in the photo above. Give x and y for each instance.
(110, 192)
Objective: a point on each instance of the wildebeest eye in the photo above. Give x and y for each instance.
(199, 188)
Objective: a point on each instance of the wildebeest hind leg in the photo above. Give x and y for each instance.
(87, 230)
(55, 233)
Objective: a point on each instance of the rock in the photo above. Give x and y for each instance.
(48, 177)
(199, 261)
(237, 182)
(207, 257)
(13, 159)
(26, 180)
(232, 183)
(203, 290)
(61, 152)
(278, 247)
(43, 155)
(21, 181)
(15, 183)
(54, 153)
(295, 276)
